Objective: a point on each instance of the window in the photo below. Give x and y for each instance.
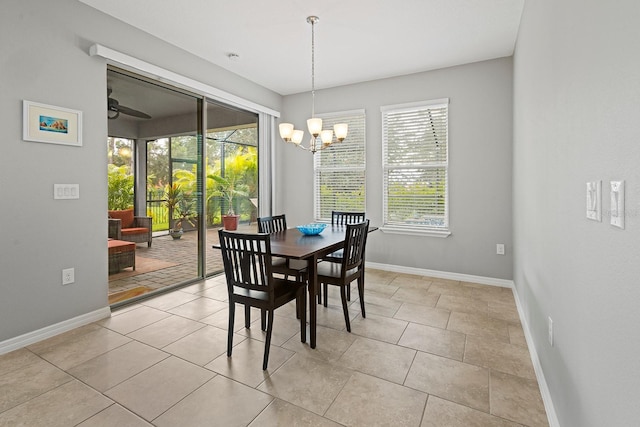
(415, 167)
(339, 171)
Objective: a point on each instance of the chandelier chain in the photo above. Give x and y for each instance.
(313, 67)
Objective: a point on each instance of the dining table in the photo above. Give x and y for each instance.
(292, 244)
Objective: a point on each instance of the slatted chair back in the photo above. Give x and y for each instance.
(247, 262)
(344, 218)
(272, 224)
(354, 247)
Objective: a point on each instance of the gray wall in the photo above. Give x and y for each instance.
(480, 131)
(576, 107)
(44, 58)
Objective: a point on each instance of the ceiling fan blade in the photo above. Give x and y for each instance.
(131, 112)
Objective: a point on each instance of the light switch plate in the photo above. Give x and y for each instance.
(617, 203)
(66, 191)
(594, 200)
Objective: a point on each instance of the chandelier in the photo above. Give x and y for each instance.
(289, 134)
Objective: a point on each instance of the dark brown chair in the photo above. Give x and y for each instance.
(351, 268)
(250, 281)
(340, 218)
(287, 267)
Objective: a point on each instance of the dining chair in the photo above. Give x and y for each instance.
(351, 268)
(287, 267)
(340, 218)
(250, 281)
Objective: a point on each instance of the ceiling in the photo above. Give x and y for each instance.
(355, 40)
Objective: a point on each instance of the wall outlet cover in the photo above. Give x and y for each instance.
(594, 200)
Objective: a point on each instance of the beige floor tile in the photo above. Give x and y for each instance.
(220, 401)
(503, 357)
(380, 288)
(503, 311)
(78, 349)
(148, 395)
(245, 363)
(379, 276)
(217, 292)
(516, 335)
(283, 329)
(449, 379)
(220, 319)
(443, 413)
(202, 346)
(387, 361)
(134, 319)
(462, 304)
(17, 359)
(333, 316)
(411, 281)
(307, 382)
(517, 399)
(369, 401)
(376, 303)
(434, 340)
(169, 300)
(115, 366)
(451, 288)
(330, 344)
(54, 408)
(280, 413)
(199, 308)
(379, 328)
(493, 293)
(416, 296)
(64, 338)
(28, 381)
(475, 324)
(166, 331)
(424, 315)
(115, 416)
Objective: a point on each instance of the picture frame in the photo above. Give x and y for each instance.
(51, 124)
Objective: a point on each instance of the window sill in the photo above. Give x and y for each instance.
(414, 231)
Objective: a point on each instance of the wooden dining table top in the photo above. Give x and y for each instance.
(291, 243)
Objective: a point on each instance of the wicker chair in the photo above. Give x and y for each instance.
(123, 225)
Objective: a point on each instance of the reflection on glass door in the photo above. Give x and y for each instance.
(232, 173)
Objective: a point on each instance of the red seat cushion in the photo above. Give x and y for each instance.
(125, 216)
(119, 246)
(134, 230)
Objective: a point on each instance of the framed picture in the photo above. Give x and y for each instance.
(54, 125)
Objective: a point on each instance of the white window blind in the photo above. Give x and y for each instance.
(415, 166)
(339, 171)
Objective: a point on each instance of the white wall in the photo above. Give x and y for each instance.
(480, 131)
(576, 108)
(44, 58)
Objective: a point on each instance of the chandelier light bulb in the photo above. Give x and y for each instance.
(286, 130)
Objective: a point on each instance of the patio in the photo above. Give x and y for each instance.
(167, 262)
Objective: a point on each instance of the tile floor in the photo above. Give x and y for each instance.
(430, 352)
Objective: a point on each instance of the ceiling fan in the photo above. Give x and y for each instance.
(114, 106)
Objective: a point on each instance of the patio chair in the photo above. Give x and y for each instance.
(250, 281)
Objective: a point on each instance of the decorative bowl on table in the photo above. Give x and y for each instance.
(311, 229)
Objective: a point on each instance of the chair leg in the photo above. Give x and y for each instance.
(303, 315)
(263, 319)
(267, 342)
(325, 289)
(343, 297)
(349, 292)
(232, 315)
(361, 294)
(247, 316)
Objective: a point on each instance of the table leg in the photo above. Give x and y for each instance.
(313, 284)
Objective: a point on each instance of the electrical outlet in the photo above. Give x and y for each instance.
(500, 249)
(550, 331)
(68, 276)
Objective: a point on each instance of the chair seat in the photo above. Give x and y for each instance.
(330, 271)
(334, 256)
(294, 267)
(284, 291)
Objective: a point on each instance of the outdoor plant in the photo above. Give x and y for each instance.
(173, 194)
(229, 188)
(120, 187)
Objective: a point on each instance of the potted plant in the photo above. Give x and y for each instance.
(185, 210)
(229, 188)
(173, 196)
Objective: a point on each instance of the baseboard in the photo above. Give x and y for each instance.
(53, 330)
(442, 274)
(552, 417)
